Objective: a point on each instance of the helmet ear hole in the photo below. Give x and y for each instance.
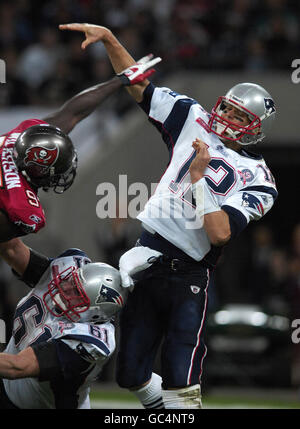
(95, 318)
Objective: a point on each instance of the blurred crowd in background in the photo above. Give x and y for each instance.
(46, 66)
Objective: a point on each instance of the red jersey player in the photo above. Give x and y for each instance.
(39, 154)
(18, 186)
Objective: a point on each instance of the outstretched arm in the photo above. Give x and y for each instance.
(82, 104)
(16, 254)
(120, 58)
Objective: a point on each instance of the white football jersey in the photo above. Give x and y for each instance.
(241, 182)
(34, 324)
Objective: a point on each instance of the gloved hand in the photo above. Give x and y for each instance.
(139, 71)
(134, 260)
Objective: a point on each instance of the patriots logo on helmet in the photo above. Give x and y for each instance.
(269, 105)
(251, 201)
(41, 156)
(108, 294)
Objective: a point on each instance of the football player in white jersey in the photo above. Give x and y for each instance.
(63, 332)
(212, 188)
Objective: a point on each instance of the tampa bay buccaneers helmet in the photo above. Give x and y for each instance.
(47, 157)
(92, 293)
(253, 100)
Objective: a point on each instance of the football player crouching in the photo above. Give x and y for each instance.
(39, 154)
(63, 332)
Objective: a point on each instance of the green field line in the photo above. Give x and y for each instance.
(208, 401)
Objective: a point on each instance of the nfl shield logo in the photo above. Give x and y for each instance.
(195, 289)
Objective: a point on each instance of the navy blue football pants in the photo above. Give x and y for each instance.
(170, 307)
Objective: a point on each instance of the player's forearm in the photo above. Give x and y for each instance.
(8, 230)
(83, 104)
(22, 365)
(217, 227)
(120, 59)
(16, 254)
(8, 366)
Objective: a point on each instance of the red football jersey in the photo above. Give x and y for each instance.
(17, 198)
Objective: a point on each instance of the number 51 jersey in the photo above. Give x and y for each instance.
(241, 182)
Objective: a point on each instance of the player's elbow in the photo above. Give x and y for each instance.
(217, 227)
(8, 249)
(220, 238)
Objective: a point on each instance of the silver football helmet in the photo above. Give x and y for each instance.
(253, 100)
(92, 293)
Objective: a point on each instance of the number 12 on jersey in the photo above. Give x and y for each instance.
(220, 176)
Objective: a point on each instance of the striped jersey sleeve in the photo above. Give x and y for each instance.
(92, 342)
(167, 111)
(248, 204)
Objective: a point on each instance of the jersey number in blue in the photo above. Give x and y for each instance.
(30, 310)
(220, 176)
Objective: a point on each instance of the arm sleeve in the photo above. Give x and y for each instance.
(147, 96)
(57, 359)
(22, 207)
(250, 203)
(93, 343)
(167, 111)
(36, 267)
(64, 369)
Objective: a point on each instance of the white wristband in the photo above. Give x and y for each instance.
(206, 202)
